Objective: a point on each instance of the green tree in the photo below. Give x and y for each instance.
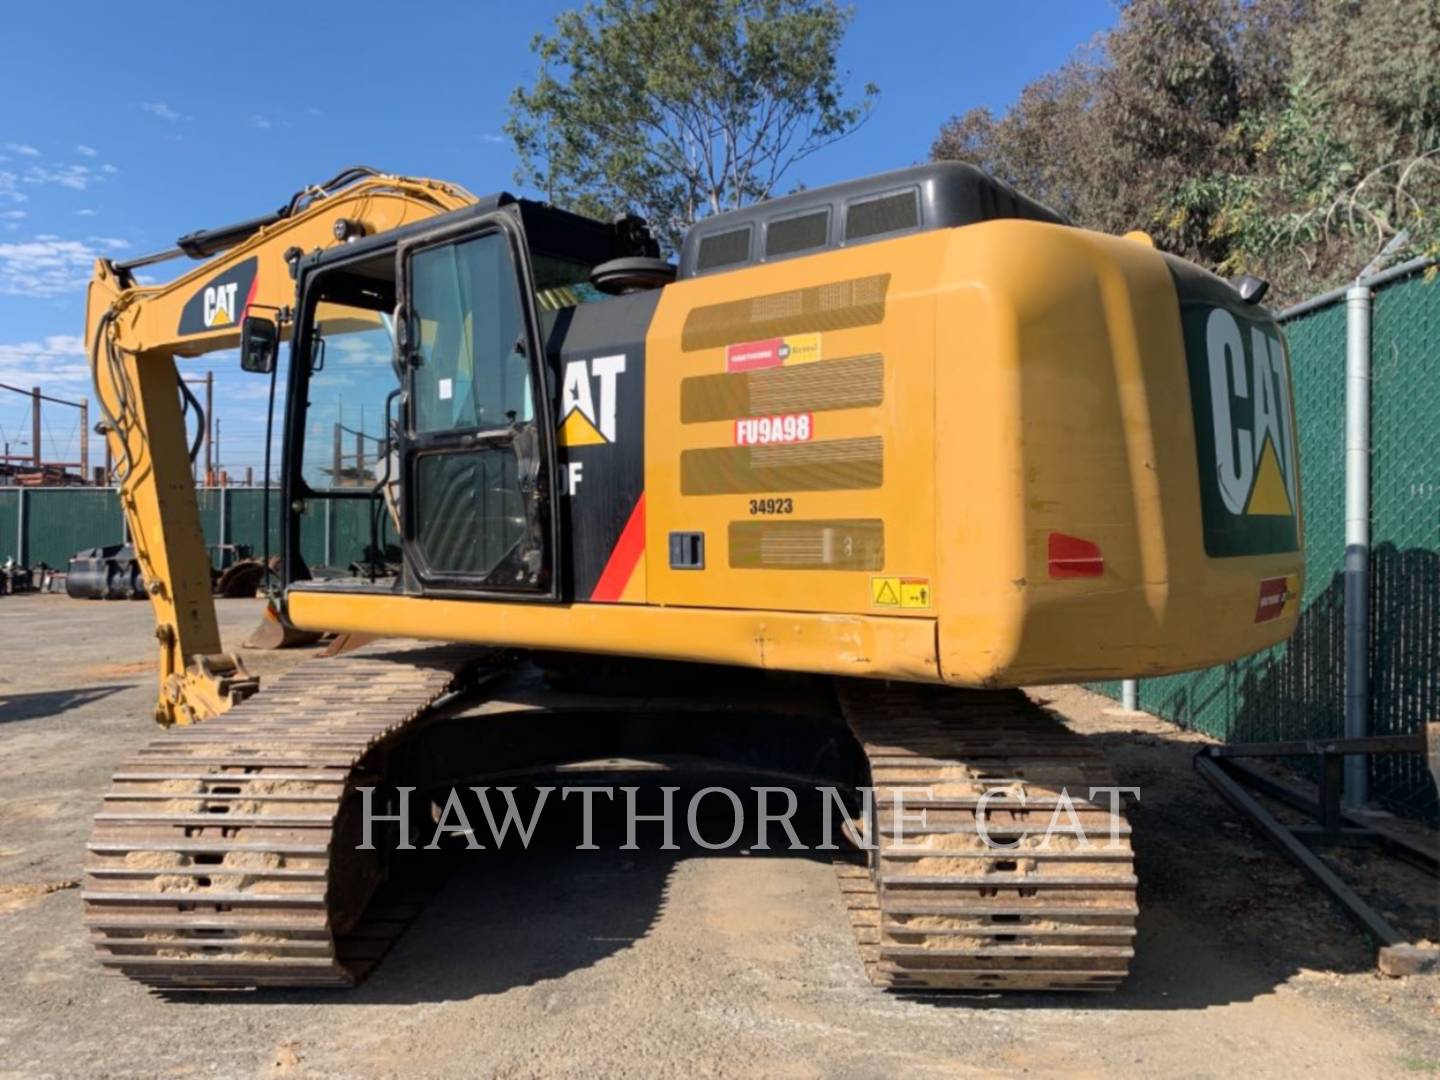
(1349, 153)
(681, 108)
(1296, 139)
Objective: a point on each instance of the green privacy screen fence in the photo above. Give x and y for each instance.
(52, 524)
(1296, 690)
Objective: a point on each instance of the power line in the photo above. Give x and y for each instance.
(42, 397)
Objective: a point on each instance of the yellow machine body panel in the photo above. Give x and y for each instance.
(797, 519)
(971, 393)
(989, 454)
(964, 406)
(1063, 408)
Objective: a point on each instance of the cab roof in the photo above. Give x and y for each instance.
(937, 195)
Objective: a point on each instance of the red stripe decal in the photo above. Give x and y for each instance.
(623, 557)
(249, 297)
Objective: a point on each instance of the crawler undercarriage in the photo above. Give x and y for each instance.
(227, 854)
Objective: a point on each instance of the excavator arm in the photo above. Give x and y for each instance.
(136, 331)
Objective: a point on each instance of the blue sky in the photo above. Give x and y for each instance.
(124, 126)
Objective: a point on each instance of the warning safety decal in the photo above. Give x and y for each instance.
(900, 592)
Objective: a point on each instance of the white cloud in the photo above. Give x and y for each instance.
(87, 212)
(492, 138)
(58, 358)
(86, 151)
(74, 177)
(8, 188)
(250, 390)
(45, 266)
(160, 109)
(109, 241)
(259, 121)
(109, 170)
(23, 149)
(12, 215)
(54, 345)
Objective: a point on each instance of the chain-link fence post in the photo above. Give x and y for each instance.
(1357, 538)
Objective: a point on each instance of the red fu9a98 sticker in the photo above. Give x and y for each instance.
(768, 430)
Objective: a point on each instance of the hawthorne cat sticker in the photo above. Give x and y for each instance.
(773, 352)
(1278, 596)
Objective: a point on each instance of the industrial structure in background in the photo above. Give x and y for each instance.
(34, 469)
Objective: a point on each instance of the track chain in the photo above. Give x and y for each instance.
(936, 908)
(224, 854)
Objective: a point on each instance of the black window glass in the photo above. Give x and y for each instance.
(889, 213)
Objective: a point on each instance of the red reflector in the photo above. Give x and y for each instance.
(1071, 557)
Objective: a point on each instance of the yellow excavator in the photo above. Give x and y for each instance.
(878, 454)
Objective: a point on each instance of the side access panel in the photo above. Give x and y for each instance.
(790, 441)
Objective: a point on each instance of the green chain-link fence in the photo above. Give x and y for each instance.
(49, 525)
(1297, 690)
(1405, 512)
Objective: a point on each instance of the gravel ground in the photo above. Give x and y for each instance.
(662, 963)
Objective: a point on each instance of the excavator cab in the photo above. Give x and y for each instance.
(420, 403)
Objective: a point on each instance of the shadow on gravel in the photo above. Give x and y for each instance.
(514, 917)
(518, 917)
(48, 703)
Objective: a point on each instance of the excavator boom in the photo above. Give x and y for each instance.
(135, 332)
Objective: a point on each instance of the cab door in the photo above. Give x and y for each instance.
(477, 442)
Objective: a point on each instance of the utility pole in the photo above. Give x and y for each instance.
(209, 426)
(217, 445)
(84, 441)
(35, 424)
(249, 476)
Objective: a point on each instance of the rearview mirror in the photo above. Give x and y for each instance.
(259, 344)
